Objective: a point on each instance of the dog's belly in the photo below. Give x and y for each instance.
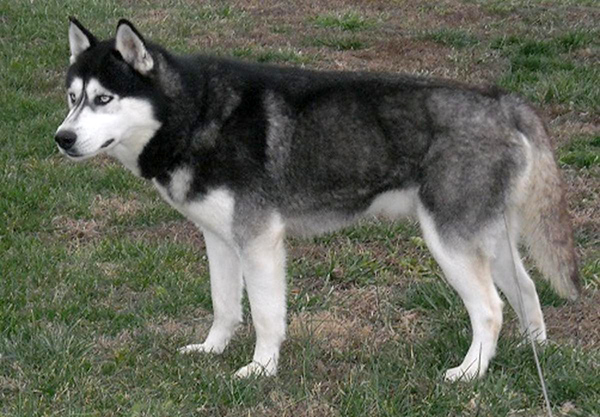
(394, 204)
(390, 205)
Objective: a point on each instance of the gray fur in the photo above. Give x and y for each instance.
(249, 152)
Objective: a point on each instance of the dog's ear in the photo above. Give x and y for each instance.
(80, 39)
(132, 47)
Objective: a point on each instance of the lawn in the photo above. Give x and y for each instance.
(101, 282)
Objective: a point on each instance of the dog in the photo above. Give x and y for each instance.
(253, 152)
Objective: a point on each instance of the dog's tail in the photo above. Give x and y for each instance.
(545, 222)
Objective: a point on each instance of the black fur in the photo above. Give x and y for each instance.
(350, 136)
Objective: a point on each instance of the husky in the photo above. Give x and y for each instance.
(251, 153)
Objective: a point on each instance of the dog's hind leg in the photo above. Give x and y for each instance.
(468, 272)
(263, 263)
(226, 287)
(504, 266)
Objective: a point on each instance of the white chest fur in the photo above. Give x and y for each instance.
(394, 204)
(213, 211)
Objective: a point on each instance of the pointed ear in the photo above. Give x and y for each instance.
(80, 39)
(132, 47)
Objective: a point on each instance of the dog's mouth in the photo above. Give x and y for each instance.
(73, 154)
(70, 153)
(107, 143)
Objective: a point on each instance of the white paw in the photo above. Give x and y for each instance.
(255, 369)
(461, 373)
(539, 337)
(202, 348)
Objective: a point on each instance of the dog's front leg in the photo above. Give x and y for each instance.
(263, 263)
(226, 287)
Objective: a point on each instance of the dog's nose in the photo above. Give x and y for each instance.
(65, 139)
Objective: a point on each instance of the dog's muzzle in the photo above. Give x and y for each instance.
(65, 139)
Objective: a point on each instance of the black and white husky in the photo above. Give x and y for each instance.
(251, 152)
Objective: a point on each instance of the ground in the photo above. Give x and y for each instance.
(101, 281)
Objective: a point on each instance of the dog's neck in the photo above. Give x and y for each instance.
(162, 152)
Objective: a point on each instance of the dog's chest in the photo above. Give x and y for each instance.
(212, 211)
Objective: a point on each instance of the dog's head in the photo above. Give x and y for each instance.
(110, 94)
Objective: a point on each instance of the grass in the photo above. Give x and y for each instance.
(349, 21)
(582, 153)
(339, 43)
(549, 71)
(451, 37)
(100, 281)
(273, 56)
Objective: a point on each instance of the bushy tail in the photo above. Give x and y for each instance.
(545, 222)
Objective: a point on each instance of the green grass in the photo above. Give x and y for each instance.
(546, 71)
(100, 281)
(451, 37)
(581, 153)
(349, 21)
(273, 56)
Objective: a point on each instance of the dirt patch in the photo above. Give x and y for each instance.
(577, 323)
(563, 128)
(376, 305)
(583, 195)
(107, 345)
(338, 333)
(103, 161)
(283, 405)
(361, 318)
(77, 230)
(177, 231)
(11, 385)
(109, 269)
(107, 206)
(195, 325)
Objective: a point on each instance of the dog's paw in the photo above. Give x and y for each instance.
(538, 334)
(255, 369)
(461, 373)
(202, 348)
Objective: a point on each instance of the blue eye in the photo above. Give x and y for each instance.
(72, 98)
(101, 100)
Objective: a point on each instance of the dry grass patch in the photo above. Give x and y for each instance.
(283, 405)
(114, 206)
(337, 333)
(577, 323)
(107, 346)
(376, 305)
(360, 318)
(77, 230)
(583, 194)
(564, 127)
(194, 326)
(177, 232)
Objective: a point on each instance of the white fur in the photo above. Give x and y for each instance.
(76, 88)
(226, 287)
(133, 50)
(263, 264)
(181, 181)
(468, 272)
(128, 121)
(78, 42)
(394, 204)
(520, 290)
(213, 212)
